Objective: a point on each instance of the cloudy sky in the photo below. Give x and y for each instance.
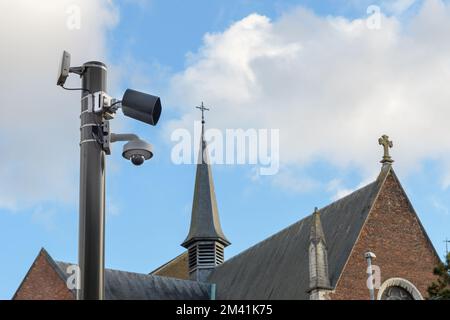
(332, 77)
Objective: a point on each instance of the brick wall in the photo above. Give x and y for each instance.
(177, 268)
(42, 282)
(392, 231)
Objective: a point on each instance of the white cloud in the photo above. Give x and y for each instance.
(339, 190)
(294, 183)
(330, 84)
(398, 6)
(141, 3)
(39, 122)
(439, 206)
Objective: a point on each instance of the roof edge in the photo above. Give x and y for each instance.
(167, 263)
(381, 179)
(415, 213)
(298, 221)
(52, 263)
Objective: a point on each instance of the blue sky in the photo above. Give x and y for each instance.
(151, 46)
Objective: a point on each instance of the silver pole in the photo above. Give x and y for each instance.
(369, 256)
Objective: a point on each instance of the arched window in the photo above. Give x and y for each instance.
(398, 289)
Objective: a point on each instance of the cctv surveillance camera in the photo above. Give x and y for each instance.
(141, 106)
(137, 151)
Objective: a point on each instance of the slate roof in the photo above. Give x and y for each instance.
(276, 268)
(122, 285)
(269, 269)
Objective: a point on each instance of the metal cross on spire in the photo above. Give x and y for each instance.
(386, 143)
(203, 109)
(203, 142)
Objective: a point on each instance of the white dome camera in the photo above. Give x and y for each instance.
(137, 151)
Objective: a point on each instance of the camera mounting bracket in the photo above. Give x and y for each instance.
(77, 70)
(106, 140)
(98, 101)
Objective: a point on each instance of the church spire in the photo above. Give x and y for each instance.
(205, 241)
(319, 281)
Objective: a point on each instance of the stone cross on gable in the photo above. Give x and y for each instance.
(386, 143)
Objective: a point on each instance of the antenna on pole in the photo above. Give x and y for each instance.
(446, 246)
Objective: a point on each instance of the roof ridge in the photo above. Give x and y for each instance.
(394, 175)
(349, 195)
(131, 273)
(386, 169)
(54, 265)
(168, 262)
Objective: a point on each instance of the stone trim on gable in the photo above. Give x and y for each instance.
(400, 282)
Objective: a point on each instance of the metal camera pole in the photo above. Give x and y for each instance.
(91, 250)
(97, 108)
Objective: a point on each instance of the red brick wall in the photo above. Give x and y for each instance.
(43, 283)
(393, 233)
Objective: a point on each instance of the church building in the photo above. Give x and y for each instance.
(322, 256)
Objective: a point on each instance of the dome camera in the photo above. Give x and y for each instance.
(137, 151)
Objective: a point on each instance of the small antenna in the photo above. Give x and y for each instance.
(446, 246)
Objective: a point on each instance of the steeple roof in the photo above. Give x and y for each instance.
(205, 222)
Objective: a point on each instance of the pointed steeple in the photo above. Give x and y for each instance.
(319, 281)
(205, 241)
